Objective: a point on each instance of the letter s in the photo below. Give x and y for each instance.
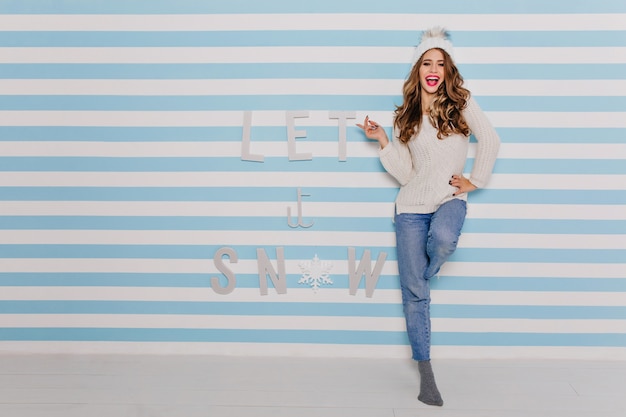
(230, 276)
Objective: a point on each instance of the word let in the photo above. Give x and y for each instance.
(292, 134)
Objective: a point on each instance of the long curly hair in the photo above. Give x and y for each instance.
(445, 110)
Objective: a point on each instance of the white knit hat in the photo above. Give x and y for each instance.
(435, 37)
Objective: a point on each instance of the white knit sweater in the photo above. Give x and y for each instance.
(425, 165)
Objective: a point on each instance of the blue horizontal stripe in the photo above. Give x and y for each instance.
(219, 71)
(488, 196)
(358, 224)
(561, 135)
(160, 251)
(552, 103)
(308, 309)
(103, 279)
(189, 164)
(528, 312)
(196, 194)
(289, 6)
(340, 281)
(390, 38)
(148, 133)
(306, 336)
(198, 103)
(292, 102)
(608, 197)
(547, 226)
(529, 339)
(557, 166)
(477, 283)
(183, 133)
(366, 70)
(163, 251)
(203, 308)
(205, 335)
(152, 280)
(272, 133)
(350, 337)
(524, 71)
(282, 164)
(249, 223)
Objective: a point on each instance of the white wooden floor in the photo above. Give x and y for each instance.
(193, 386)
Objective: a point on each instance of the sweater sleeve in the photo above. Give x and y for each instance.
(396, 159)
(488, 143)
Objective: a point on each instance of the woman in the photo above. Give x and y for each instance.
(427, 157)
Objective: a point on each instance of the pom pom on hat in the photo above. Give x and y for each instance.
(436, 37)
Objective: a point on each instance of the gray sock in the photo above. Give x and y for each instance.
(429, 394)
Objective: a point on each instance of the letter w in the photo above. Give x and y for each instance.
(365, 268)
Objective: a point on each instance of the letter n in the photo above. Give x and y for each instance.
(265, 268)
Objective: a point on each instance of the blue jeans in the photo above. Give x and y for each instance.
(424, 243)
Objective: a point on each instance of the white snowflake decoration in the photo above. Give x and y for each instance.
(315, 273)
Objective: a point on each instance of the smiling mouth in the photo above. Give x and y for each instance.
(432, 81)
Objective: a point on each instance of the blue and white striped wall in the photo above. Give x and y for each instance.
(150, 152)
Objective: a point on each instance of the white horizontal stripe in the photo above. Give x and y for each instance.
(532, 270)
(202, 179)
(541, 241)
(527, 326)
(556, 182)
(175, 118)
(292, 179)
(560, 88)
(545, 211)
(559, 353)
(534, 298)
(206, 266)
(174, 266)
(184, 321)
(310, 21)
(383, 324)
(558, 119)
(292, 238)
(559, 151)
(197, 149)
(279, 148)
(313, 209)
(575, 88)
(194, 208)
(278, 118)
(200, 237)
(324, 295)
(540, 55)
(212, 55)
(211, 87)
(306, 54)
